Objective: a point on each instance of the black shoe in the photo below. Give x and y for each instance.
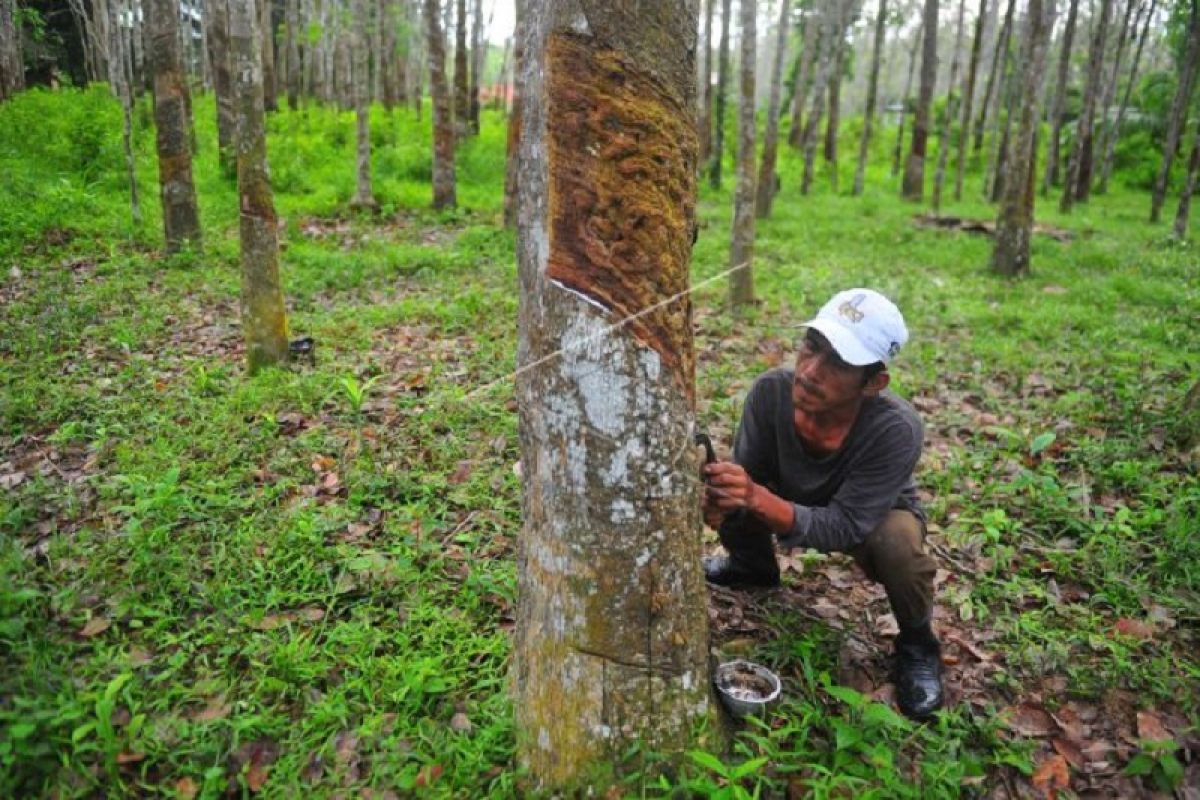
(723, 571)
(918, 677)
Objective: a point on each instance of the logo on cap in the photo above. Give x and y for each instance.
(850, 310)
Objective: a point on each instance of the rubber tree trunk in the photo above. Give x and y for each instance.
(834, 120)
(120, 77)
(1014, 226)
(292, 45)
(462, 100)
(364, 197)
(611, 643)
(765, 190)
(994, 174)
(834, 21)
(512, 170)
(1114, 136)
(219, 55)
(1177, 120)
(181, 219)
(1077, 185)
(1060, 97)
(913, 187)
(800, 92)
(918, 37)
(1189, 188)
(869, 110)
(741, 250)
(718, 136)
(443, 119)
(704, 117)
(478, 51)
(939, 177)
(12, 58)
(964, 120)
(267, 28)
(264, 320)
(1109, 93)
(995, 74)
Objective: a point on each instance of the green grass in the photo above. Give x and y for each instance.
(314, 568)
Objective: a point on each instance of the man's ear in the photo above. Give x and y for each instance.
(878, 382)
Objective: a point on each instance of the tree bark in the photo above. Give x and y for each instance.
(264, 320)
(1109, 92)
(705, 116)
(1177, 120)
(292, 46)
(834, 120)
(364, 197)
(1189, 188)
(462, 101)
(1060, 96)
(120, 76)
(1114, 136)
(12, 59)
(765, 190)
(217, 21)
(741, 250)
(1078, 184)
(964, 123)
(1014, 225)
(918, 37)
(611, 644)
(939, 177)
(999, 57)
(800, 91)
(718, 140)
(181, 219)
(836, 18)
(872, 93)
(913, 187)
(512, 170)
(478, 50)
(443, 121)
(267, 27)
(1010, 92)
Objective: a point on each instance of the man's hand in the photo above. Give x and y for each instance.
(730, 487)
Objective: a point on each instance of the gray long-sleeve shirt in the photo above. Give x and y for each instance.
(839, 498)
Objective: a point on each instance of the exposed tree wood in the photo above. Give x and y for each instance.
(718, 140)
(1189, 188)
(803, 85)
(990, 92)
(172, 112)
(1078, 183)
(918, 37)
(939, 177)
(12, 58)
(264, 320)
(217, 23)
(1114, 136)
(606, 655)
(462, 100)
(765, 189)
(741, 250)
(869, 111)
(444, 189)
(1014, 224)
(364, 196)
(964, 122)
(913, 186)
(1053, 165)
(1177, 120)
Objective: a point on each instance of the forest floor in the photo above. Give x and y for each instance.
(302, 584)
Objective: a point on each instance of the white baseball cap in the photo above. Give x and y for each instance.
(863, 326)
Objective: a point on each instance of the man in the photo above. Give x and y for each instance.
(824, 458)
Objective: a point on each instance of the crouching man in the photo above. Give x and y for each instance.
(824, 459)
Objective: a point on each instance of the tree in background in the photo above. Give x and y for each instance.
(872, 92)
(1189, 188)
(803, 84)
(836, 18)
(1109, 92)
(1058, 108)
(12, 58)
(1014, 225)
(443, 119)
(741, 250)
(939, 177)
(1110, 148)
(765, 192)
(266, 27)
(1078, 184)
(606, 657)
(462, 100)
(364, 197)
(718, 140)
(216, 24)
(1177, 120)
(991, 93)
(704, 117)
(913, 187)
(172, 121)
(119, 61)
(292, 48)
(478, 52)
(968, 98)
(512, 169)
(904, 101)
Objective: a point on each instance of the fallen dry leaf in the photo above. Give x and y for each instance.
(95, 626)
(461, 723)
(217, 708)
(256, 776)
(1029, 720)
(1150, 728)
(186, 789)
(462, 473)
(1135, 628)
(12, 480)
(323, 464)
(1051, 775)
(1068, 750)
(886, 625)
(126, 757)
(428, 775)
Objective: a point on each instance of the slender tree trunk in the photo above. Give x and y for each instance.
(765, 190)
(1110, 85)
(1014, 225)
(1110, 147)
(994, 168)
(1060, 96)
(741, 251)
(364, 197)
(939, 177)
(375, 9)
(264, 320)
(835, 20)
(1079, 169)
(512, 163)
(718, 141)
(869, 111)
(964, 122)
(999, 57)
(834, 120)
(267, 27)
(914, 171)
(218, 53)
(462, 100)
(12, 59)
(800, 92)
(443, 119)
(345, 59)
(706, 99)
(918, 37)
(133, 46)
(292, 46)
(120, 77)
(181, 220)
(477, 53)
(1189, 188)
(606, 656)
(1177, 121)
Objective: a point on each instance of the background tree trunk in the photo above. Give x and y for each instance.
(913, 187)
(834, 120)
(718, 140)
(869, 111)
(1110, 85)
(1110, 147)
(741, 250)
(994, 172)
(834, 21)
(292, 45)
(968, 98)
(267, 26)
(219, 55)
(765, 190)
(443, 120)
(1060, 96)
(939, 177)
(1179, 112)
(181, 219)
(364, 197)
(264, 320)
(478, 52)
(1189, 188)
(462, 102)
(999, 57)
(512, 162)
(800, 91)
(1014, 226)
(1078, 184)
(12, 58)
(918, 37)
(611, 644)
(120, 76)
(705, 115)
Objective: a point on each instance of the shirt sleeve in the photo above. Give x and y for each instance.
(869, 492)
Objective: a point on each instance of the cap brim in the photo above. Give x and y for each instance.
(844, 342)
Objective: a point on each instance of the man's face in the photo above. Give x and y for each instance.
(823, 380)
